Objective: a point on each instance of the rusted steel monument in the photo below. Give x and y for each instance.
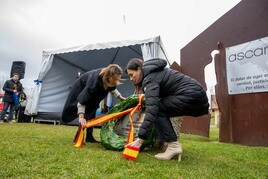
(243, 117)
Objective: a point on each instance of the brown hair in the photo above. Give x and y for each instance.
(113, 70)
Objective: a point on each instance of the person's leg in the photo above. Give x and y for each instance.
(168, 136)
(4, 111)
(89, 136)
(89, 131)
(166, 132)
(164, 128)
(11, 112)
(20, 115)
(16, 113)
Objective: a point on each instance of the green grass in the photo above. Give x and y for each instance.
(29, 150)
(212, 118)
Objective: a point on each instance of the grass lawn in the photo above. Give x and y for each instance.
(29, 150)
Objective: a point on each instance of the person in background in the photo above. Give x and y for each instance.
(88, 91)
(22, 106)
(12, 88)
(16, 111)
(168, 93)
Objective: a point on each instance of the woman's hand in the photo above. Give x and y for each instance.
(121, 98)
(82, 119)
(136, 143)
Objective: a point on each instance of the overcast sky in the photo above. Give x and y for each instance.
(27, 27)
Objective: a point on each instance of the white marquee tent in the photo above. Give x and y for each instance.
(60, 68)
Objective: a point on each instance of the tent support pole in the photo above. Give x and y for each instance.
(135, 51)
(119, 49)
(115, 55)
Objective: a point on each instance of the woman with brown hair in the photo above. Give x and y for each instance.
(88, 91)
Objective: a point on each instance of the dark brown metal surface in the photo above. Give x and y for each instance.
(244, 118)
(194, 125)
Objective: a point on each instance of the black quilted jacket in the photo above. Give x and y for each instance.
(179, 93)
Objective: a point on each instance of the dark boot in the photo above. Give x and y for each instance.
(89, 136)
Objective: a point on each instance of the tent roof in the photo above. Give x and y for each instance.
(105, 45)
(92, 56)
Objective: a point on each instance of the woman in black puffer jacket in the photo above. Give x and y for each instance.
(168, 93)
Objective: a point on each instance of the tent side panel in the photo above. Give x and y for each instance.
(56, 86)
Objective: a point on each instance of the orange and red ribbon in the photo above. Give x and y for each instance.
(79, 137)
(129, 152)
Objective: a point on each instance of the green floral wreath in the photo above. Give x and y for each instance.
(109, 138)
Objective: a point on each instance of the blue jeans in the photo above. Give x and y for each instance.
(11, 111)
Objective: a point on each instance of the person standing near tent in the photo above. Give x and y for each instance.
(12, 88)
(22, 104)
(88, 91)
(168, 93)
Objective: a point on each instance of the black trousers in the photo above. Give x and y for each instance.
(22, 117)
(163, 125)
(164, 128)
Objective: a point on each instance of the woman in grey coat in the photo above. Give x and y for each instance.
(168, 93)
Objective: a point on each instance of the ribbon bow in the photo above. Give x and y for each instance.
(37, 81)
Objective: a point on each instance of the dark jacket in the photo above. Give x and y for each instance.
(170, 91)
(88, 90)
(8, 87)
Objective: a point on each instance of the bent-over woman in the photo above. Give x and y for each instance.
(168, 93)
(88, 91)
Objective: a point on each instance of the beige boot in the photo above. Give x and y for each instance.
(173, 148)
